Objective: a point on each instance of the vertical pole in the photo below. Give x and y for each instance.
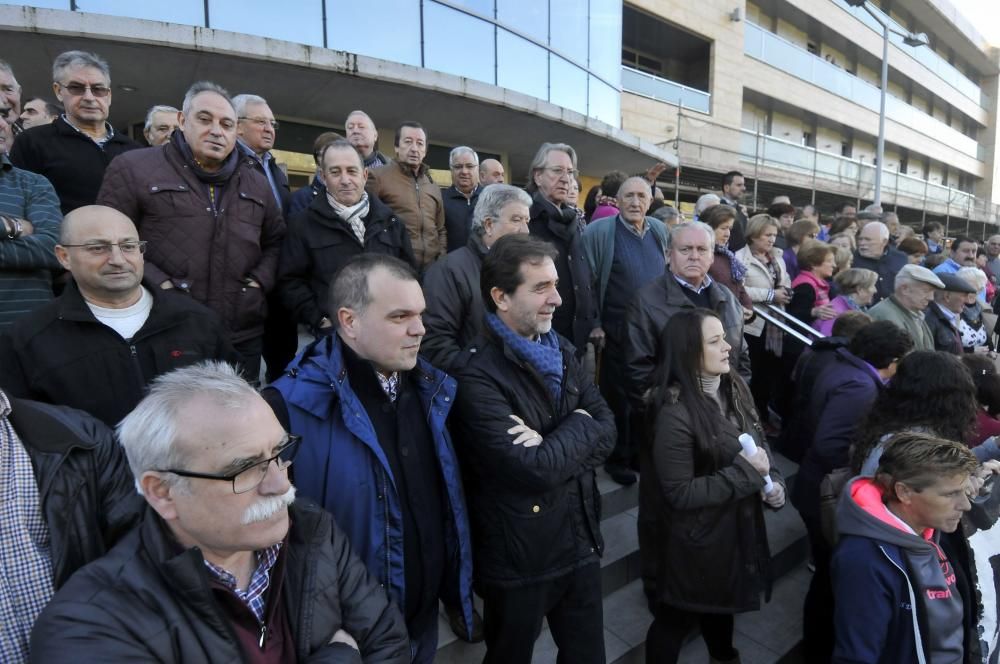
(812, 200)
(861, 168)
(677, 169)
(880, 150)
(756, 166)
(923, 213)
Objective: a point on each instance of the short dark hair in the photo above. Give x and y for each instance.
(779, 209)
(839, 210)
(349, 287)
(957, 242)
(881, 343)
(412, 124)
(930, 227)
(502, 264)
(322, 141)
(849, 323)
(612, 182)
(52, 109)
(727, 179)
(338, 144)
(984, 375)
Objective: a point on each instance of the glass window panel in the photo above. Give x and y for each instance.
(530, 17)
(44, 4)
(606, 40)
(605, 103)
(567, 85)
(457, 43)
(185, 12)
(299, 21)
(568, 29)
(522, 65)
(350, 28)
(484, 7)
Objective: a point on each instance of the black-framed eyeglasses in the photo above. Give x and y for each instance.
(250, 477)
(104, 248)
(79, 89)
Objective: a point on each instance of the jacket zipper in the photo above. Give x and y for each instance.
(913, 609)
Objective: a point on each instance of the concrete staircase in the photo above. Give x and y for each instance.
(768, 636)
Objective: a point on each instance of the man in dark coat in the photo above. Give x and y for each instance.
(554, 221)
(531, 430)
(226, 565)
(945, 312)
(209, 215)
(74, 151)
(342, 223)
(70, 488)
(455, 308)
(844, 390)
(876, 254)
(98, 345)
(460, 198)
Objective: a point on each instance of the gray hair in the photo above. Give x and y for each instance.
(460, 150)
(240, 103)
(349, 289)
(71, 59)
(634, 178)
(492, 199)
(704, 202)
(883, 230)
(358, 112)
(665, 213)
(5, 66)
(149, 434)
(153, 111)
(973, 276)
(688, 225)
(204, 86)
(542, 156)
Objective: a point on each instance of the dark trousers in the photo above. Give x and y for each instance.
(671, 626)
(512, 618)
(281, 338)
(612, 385)
(817, 613)
(764, 368)
(250, 349)
(423, 632)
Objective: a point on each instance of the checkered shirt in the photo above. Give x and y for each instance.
(25, 558)
(254, 595)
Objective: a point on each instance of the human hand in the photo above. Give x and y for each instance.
(251, 283)
(167, 285)
(782, 296)
(758, 460)
(653, 172)
(776, 498)
(597, 337)
(340, 636)
(27, 228)
(824, 312)
(524, 435)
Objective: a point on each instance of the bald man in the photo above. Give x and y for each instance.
(491, 172)
(98, 345)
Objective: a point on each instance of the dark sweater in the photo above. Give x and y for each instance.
(406, 441)
(637, 261)
(71, 160)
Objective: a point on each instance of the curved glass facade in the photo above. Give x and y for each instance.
(567, 52)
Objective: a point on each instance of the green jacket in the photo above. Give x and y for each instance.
(891, 310)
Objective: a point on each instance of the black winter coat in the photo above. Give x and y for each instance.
(886, 266)
(535, 511)
(70, 160)
(319, 243)
(711, 542)
(61, 354)
(945, 335)
(578, 314)
(144, 601)
(85, 487)
(455, 309)
(458, 215)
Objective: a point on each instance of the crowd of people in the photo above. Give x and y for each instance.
(445, 414)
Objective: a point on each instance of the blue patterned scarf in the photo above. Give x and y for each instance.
(739, 270)
(544, 355)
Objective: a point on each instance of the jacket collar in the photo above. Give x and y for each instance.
(72, 306)
(423, 171)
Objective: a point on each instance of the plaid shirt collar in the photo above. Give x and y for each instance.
(254, 595)
(100, 141)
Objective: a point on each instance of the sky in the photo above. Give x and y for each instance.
(984, 14)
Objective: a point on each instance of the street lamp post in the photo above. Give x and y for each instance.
(909, 39)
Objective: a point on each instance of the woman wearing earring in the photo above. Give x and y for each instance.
(711, 544)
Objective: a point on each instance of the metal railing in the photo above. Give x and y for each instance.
(773, 315)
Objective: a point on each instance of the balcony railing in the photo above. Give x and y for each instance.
(784, 155)
(661, 89)
(792, 59)
(925, 56)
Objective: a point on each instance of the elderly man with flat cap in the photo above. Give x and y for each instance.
(913, 292)
(945, 312)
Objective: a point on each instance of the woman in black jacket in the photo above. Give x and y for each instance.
(711, 545)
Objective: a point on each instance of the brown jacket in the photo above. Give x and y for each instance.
(208, 255)
(417, 201)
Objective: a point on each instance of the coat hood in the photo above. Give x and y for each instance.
(861, 512)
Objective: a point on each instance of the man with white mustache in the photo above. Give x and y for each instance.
(226, 565)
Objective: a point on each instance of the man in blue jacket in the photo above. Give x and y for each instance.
(897, 599)
(375, 450)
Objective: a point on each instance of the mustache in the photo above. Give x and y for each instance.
(265, 508)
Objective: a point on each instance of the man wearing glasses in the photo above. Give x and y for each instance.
(74, 151)
(226, 565)
(29, 227)
(98, 345)
(552, 171)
